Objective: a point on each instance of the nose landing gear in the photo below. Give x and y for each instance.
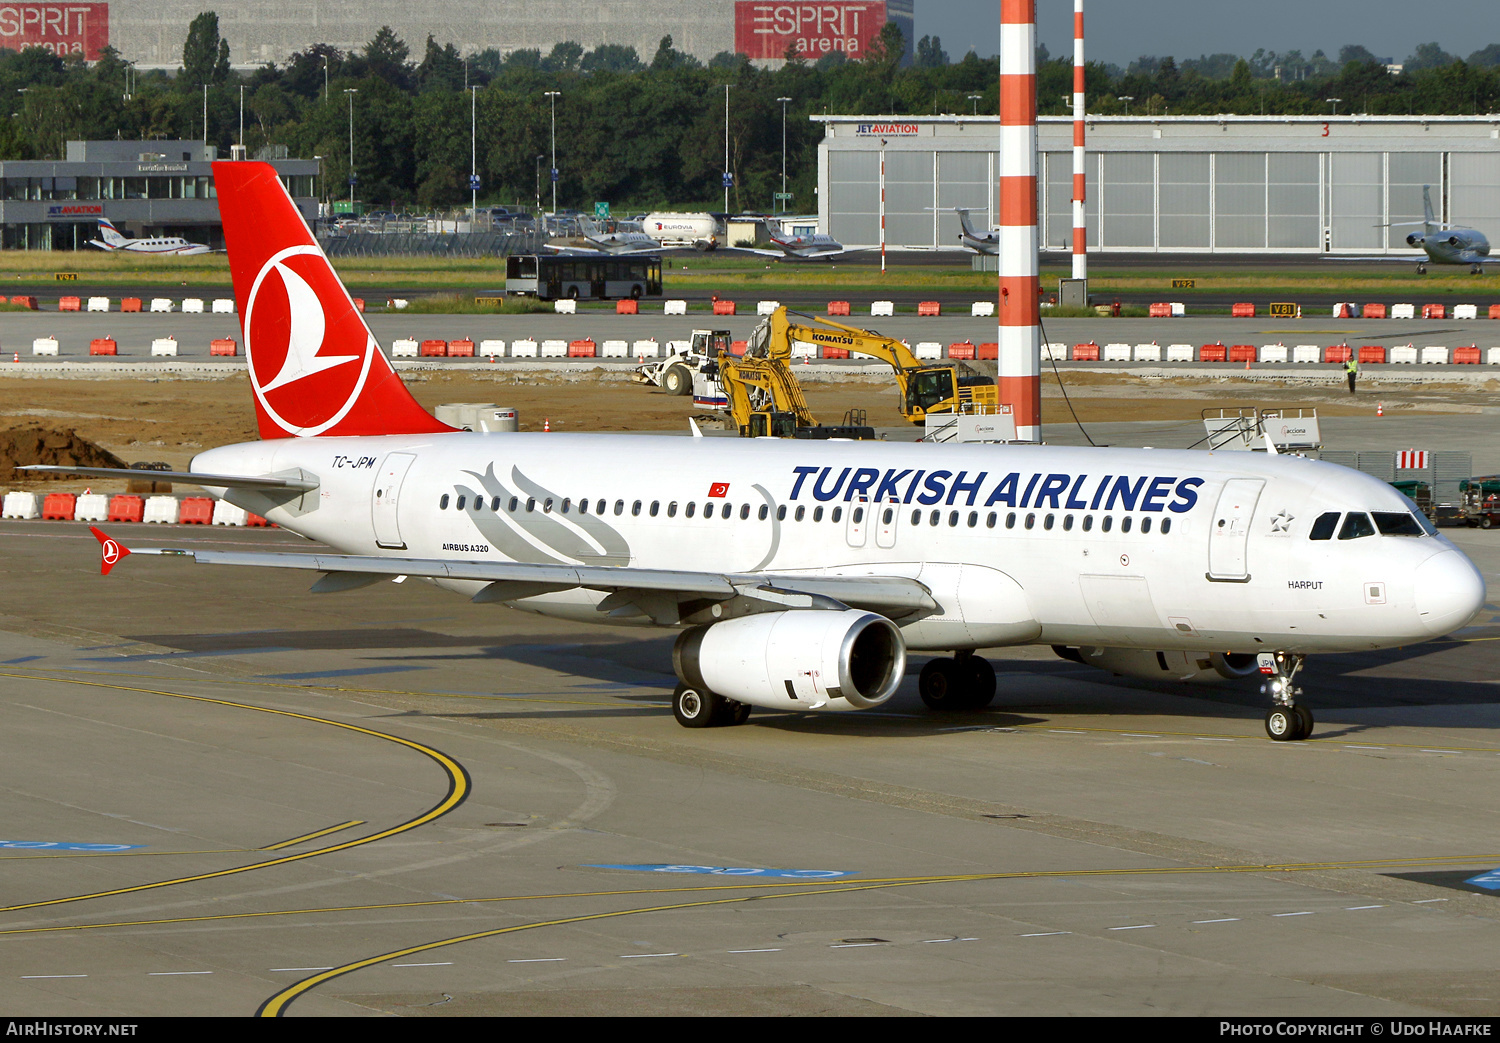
(1287, 720)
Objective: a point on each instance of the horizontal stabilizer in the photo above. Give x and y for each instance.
(212, 481)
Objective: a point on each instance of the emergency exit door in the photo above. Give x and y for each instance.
(386, 496)
(1229, 539)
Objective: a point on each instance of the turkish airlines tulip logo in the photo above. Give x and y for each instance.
(307, 367)
(111, 552)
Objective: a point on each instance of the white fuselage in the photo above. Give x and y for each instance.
(1151, 549)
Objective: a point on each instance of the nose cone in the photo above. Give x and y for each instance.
(1450, 590)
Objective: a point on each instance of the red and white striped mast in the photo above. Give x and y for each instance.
(1080, 183)
(1019, 380)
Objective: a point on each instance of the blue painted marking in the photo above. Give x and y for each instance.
(23, 659)
(791, 874)
(1489, 881)
(58, 845)
(319, 674)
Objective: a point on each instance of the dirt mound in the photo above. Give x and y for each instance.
(48, 445)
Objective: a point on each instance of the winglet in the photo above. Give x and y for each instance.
(111, 552)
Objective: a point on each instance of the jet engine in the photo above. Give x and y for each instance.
(800, 659)
(1414, 239)
(1455, 241)
(1142, 663)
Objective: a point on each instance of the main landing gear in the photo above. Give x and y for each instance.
(965, 682)
(1477, 269)
(696, 707)
(1287, 720)
(1421, 269)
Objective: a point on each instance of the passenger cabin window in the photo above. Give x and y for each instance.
(1356, 526)
(1322, 529)
(443, 503)
(635, 509)
(459, 505)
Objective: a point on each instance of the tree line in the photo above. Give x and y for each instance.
(640, 133)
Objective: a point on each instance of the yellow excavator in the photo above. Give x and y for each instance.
(765, 398)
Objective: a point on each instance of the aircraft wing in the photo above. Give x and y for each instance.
(656, 592)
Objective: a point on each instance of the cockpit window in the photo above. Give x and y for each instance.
(1322, 529)
(1356, 525)
(1393, 523)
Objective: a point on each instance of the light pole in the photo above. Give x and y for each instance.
(205, 114)
(539, 183)
(1127, 99)
(784, 102)
(1335, 103)
(351, 92)
(975, 98)
(473, 153)
(242, 117)
(726, 147)
(323, 194)
(552, 97)
(882, 206)
(325, 78)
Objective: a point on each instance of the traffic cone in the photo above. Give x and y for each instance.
(1380, 409)
(17, 358)
(546, 424)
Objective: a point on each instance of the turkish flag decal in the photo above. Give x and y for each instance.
(719, 489)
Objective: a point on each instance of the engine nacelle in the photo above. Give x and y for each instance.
(1415, 239)
(1142, 663)
(1455, 242)
(796, 660)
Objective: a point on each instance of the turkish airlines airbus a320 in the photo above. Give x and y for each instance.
(801, 573)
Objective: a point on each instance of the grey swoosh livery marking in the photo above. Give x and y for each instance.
(545, 529)
(775, 529)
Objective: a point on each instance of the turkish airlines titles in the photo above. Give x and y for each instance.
(1067, 492)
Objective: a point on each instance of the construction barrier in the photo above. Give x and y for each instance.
(98, 304)
(226, 513)
(674, 308)
(1434, 311)
(126, 507)
(192, 306)
(225, 306)
(161, 305)
(1405, 353)
(1403, 311)
(1159, 311)
(223, 346)
(59, 506)
(1373, 353)
(1492, 357)
(1374, 311)
(1273, 353)
(196, 510)
(928, 349)
(1495, 311)
(359, 305)
(1117, 353)
(103, 346)
(492, 349)
(19, 505)
(255, 521)
(738, 348)
(766, 307)
(1465, 311)
(982, 309)
(1085, 353)
(1306, 353)
(1179, 353)
(1179, 310)
(1242, 353)
(160, 510)
(1050, 352)
(614, 349)
(25, 302)
(627, 307)
(1466, 356)
(582, 349)
(69, 304)
(801, 349)
(882, 308)
(1346, 311)
(723, 307)
(44, 346)
(963, 349)
(433, 349)
(164, 346)
(91, 507)
(645, 349)
(130, 304)
(838, 353)
(929, 308)
(1242, 311)
(1146, 352)
(404, 348)
(523, 349)
(838, 307)
(554, 349)
(463, 348)
(1213, 353)
(1338, 353)
(1434, 355)
(569, 307)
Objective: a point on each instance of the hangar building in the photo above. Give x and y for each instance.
(1192, 184)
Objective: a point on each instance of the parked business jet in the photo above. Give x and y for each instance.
(801, 573)
(797, 247)
(624, 241)
(113, 241)
(980, 242)
(1446, 244)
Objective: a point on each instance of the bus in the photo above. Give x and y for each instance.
(581, 278)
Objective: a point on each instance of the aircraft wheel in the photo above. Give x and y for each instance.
(696, 707)
(981, 682)
(1421, 269)
(1305, 718)
(1283, 724)
(732, 712)
(677, 380)
(941, 686)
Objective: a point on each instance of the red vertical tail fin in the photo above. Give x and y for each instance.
(315, 367)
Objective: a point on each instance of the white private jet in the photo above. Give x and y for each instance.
(1445, 243)
(973, 239)
(114, 242)
(798, 573)
(796, 247)
(624, 241)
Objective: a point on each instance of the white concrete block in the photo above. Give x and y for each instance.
(1116, 353)
(1179, 353)
(1466, 311)
(44, 346)
(492, 349)
(928, 349)
(1403, 311)
(674, 307)
(1307, 353)
(554, 349)
(766, 307)
(91, 507)
(568, 307)
(523, 349)
(23, 505)
(405, 348)
(1054, 353)
(1274, 353)
(226, 513)
(614, 349)
(1403, 353)
(164, 346)
(882, 308)
(1147, 353)
(161, 304)
(1179, 309)
(645, 349)
(192, 306)
(982, 309)
(98, 304)
(162, 510)
(1434, 355)
(223, 306)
